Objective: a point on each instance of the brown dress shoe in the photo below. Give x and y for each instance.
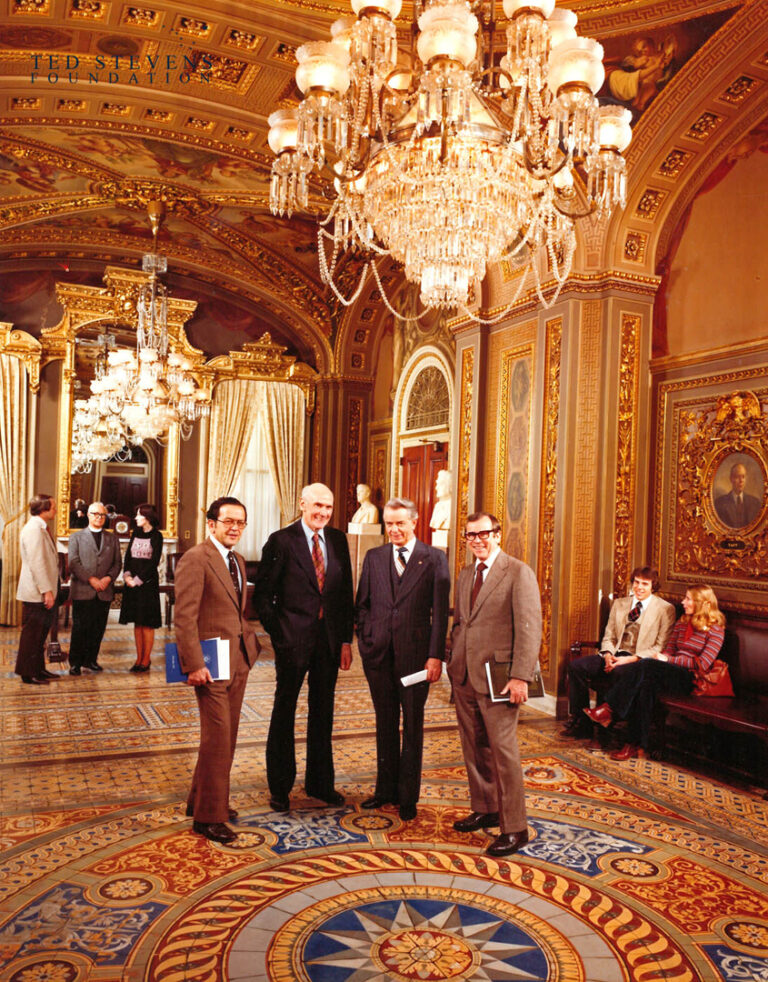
(507, 843)
(602, 714)
(477, 820)
(215, 831)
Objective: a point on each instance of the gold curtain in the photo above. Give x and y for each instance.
(234, 414)
(14, 477)
(284, 425)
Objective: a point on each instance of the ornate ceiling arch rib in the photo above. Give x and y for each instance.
(716, 98)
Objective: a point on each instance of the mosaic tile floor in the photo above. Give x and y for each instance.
(640, 871)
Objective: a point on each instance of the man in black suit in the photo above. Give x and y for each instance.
(304, 600)
(402, 619)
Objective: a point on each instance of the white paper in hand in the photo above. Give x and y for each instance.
(415, 678)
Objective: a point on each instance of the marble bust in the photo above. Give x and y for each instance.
(441, 515)
(367, 513)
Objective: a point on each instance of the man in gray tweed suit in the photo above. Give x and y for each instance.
(497, 619)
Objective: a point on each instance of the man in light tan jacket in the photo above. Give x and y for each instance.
(37, 590)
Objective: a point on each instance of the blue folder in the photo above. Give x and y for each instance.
(173, 672)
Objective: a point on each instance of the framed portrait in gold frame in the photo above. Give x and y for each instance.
(711, 503)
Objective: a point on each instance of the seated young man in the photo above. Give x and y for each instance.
(638, 626)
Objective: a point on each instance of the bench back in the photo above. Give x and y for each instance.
(746, 650)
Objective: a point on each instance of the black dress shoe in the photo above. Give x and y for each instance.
(29, 680)
(578, 729)
(143, 668)
(407, 813)
(477, 820)
(75, 670)
(332, 797)
(190, 811)
(45, 674)
(135, 668)
(375, 801)
(94, 667)
(215, 831)
(507, 843)
(280, 804)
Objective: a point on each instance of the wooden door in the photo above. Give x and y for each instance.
(420, 465)
(125, 492)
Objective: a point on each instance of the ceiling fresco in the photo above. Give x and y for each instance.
(108, 105)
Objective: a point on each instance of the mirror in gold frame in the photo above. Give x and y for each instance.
(89, 313)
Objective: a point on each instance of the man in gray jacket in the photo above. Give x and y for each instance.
(497, 620)
(94, 564)
(37, 590)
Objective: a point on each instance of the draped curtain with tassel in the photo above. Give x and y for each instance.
(234, 414)
(238, 406)
(14, 481)
(284, 424)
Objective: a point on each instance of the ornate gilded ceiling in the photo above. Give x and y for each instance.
(109, 103)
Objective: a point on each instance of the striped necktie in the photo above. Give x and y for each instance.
(318, 561)
(401, 560)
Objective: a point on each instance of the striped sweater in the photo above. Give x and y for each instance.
(696, 652)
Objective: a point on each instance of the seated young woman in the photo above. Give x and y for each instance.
(695, 642)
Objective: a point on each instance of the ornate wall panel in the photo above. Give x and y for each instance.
(511, 377)
(353, 429)
(626, 452)
(465, 447)
(582, 504)
(513, 448)
(380, 448)
(545, 571)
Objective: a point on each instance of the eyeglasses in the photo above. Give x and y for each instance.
(482, 536)
(232, 523)
(98, 514)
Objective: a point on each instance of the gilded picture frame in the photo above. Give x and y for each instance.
(712, 493)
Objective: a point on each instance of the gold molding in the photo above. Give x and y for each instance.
(742, 349)
(582, 491)
(552, 365)
(26, 348)
(509, 358)
(626, 450)
(262, 360)
(464, 449)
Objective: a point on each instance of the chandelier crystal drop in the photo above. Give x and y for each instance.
(456, 154)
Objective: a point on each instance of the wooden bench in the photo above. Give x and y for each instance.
(746, 651)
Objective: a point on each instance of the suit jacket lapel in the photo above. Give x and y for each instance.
(491, 580)
(414, 568)
(303, 555)
(219, 568)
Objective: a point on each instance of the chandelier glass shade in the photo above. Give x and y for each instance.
(457, 153)
(138, 394)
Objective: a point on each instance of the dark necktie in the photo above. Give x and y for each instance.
(636, 612)
(318, 562)
(402, 559)
(476, 585)
(232, 562)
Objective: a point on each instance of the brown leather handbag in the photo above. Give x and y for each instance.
(714, 682)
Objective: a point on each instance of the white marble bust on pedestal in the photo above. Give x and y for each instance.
(367, 514)
(440, 522)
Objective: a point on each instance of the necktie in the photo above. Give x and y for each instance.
(402, 559)
(233, 572)
(636, 611)
(476, 585)
(318, 562)
(740, 511)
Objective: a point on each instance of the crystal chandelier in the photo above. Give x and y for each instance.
(454, 155)
(139, 394)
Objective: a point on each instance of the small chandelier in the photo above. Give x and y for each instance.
(449, 158)
(139, 394)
